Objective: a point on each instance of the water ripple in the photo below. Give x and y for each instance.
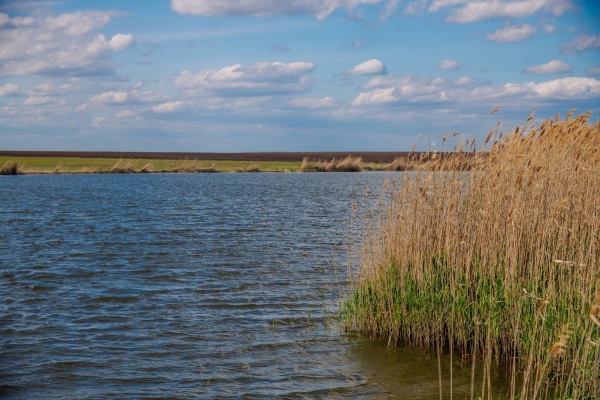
(176, 286)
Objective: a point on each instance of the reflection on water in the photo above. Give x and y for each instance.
(187, 286)
(411, 373)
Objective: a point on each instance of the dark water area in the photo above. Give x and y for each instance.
(188, 286)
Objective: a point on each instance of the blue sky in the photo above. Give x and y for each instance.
(294, 75)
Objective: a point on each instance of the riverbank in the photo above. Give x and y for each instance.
(17, 164)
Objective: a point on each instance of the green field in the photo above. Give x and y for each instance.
(47, 165)
(77, 165)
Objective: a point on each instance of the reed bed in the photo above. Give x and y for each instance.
(10, 167)
(501, 262)
(430, 161)
(348, 164)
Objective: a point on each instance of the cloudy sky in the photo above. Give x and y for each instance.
(293, 75)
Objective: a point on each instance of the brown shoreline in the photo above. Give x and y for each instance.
(367, 156)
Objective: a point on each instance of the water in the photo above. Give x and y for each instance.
(186, 286)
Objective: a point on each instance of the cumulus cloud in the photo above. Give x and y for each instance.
(552, 67)
(389, 9)
(370, 67)
(410, 89)
(392, 88)
(77, 23)
(307, 102)
(569, 88)
(510, 34)
(49, 88)
(464, 81)
(260, 8)
(10, 89)
(120, 42)
(98, 121)
(581, 43)
(448, 65)
(126, 114)
(593, 71)
(259, 79)
(477, 10)
(6, 22)
(36, 101)
(127, 97)
(415, 7)
(62, 45)
(436, 5)
(169, 107)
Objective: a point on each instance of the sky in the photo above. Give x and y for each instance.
(287, 75)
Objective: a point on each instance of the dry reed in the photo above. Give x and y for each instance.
(497, 260)
(348, 164)
(250, 168)
(122, 167)
(10, 168)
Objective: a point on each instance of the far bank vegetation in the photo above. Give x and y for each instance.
(74, 165)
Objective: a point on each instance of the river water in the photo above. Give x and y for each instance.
(188, 286)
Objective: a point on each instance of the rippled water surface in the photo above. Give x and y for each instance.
(185, 286)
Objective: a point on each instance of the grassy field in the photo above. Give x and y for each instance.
(497, 265)
(45, 165)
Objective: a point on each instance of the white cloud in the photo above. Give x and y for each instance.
(370, 67)
(98, 121)
(393, 89)
(77, 23)
(448, 65)
(510, 34)
(552, 67)
(168, 107)
(10, 89)
(36, 101)
(260, 8)
(62, 45)
(549, 28)
(477, 10)
(593, 71)
(415, 7)
(389, 9)
(259, 79)
(307, 102)
(581, 43)
(126, 97)
(464, 81)
(375, 97)
(126, 114)
(120, 42)
(569, 88)
(49, 88)
(7, 22)
(436, 5)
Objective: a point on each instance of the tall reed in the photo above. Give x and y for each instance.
(348, 164)
(10, 168)
(503, 260)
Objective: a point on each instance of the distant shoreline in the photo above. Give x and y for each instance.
(57, 162)
(367, 156)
